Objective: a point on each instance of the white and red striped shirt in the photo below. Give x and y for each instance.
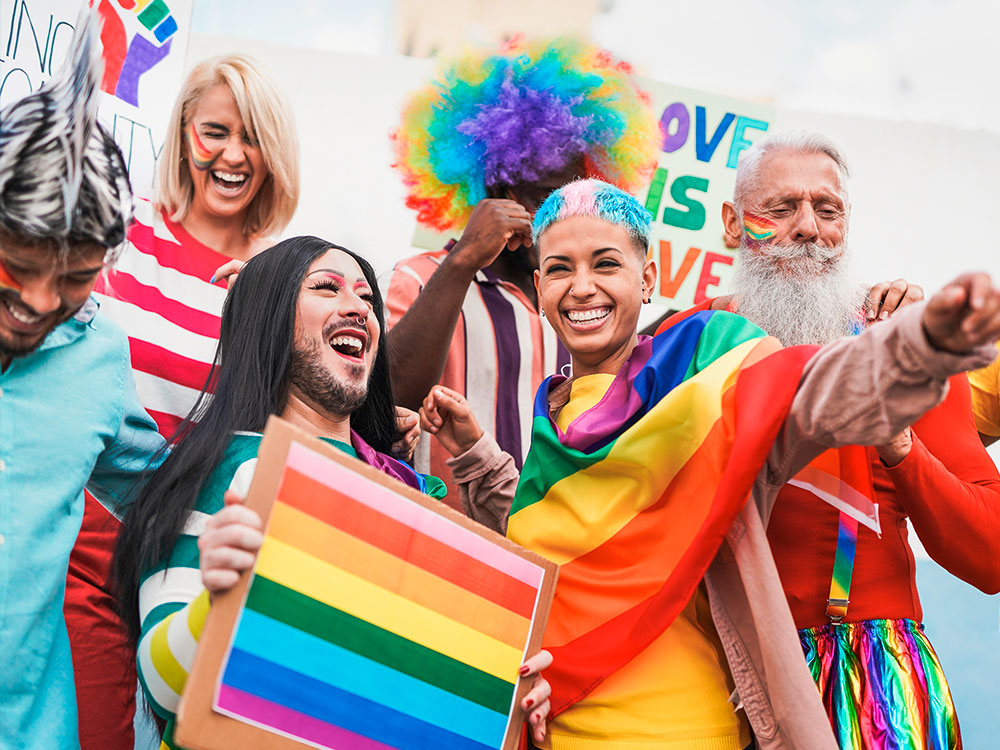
(159, 292)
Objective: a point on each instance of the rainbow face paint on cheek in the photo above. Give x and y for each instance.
(7, 281)
(758, 228)
(201, 156)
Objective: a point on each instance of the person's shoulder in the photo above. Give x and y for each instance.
(148, 226)
(259, 244)
(146, 212)
(234, 471)
(98, 329)
(243, 446)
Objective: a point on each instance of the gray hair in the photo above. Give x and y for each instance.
(794, 141)
(62, 177)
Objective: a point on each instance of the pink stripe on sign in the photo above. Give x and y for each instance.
(264, 713)
(388, 503)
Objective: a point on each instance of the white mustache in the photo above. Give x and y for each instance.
(800, 251)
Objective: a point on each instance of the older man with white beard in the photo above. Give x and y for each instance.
(838, 530)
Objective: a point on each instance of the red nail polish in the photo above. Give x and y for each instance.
(523, 670)
(528, 704)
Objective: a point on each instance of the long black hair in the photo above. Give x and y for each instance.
(255, 345)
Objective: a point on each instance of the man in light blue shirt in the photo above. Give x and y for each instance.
(69, 414)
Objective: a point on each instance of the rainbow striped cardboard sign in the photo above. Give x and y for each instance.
(374, 618)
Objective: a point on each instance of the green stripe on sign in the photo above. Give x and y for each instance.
(361, 637)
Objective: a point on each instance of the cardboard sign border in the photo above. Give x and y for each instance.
(201, 728)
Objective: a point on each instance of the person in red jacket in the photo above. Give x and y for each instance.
(851, 586)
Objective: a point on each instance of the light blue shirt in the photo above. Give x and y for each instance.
(69, 418)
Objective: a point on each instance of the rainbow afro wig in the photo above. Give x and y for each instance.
(599, 200)
(499, 120)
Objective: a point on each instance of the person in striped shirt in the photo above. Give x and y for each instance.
(301, 338)
(482, 146)
(227, 182)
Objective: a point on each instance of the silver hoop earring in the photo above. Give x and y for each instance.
(562, 370)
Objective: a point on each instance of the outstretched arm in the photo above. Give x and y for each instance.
(419, 340)
(865, 390)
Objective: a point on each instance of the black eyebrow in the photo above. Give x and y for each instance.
(599, 251)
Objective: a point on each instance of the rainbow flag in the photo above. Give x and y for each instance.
(634, 499)
(372, 622)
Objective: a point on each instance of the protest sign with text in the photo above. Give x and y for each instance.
(145, 42)
(703, 137)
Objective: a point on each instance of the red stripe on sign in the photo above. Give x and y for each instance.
(340, 511)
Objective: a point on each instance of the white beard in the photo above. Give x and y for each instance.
(822, 301)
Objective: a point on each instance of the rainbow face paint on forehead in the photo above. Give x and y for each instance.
(758, 228)
(201, 156)
(598, 199)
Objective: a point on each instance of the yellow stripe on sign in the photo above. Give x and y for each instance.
(169, 669)
(589, 507)
(294, 569)
(385, 570)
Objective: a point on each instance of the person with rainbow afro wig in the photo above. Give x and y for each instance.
(493, 122)
(479, 148)
(653, 468)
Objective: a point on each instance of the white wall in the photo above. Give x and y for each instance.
(924, 196)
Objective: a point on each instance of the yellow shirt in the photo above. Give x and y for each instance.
(689, 708)
(986, 398)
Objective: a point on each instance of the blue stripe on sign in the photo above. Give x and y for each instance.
(321, 660)
(312, 697)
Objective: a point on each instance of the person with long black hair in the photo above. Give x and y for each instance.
(301, 337)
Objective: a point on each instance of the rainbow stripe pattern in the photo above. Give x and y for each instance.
(882, 686)
(843, 568)
(758, 228)
(372, 622)
(6, 280)
(201, 156)
(154, 15)
(517, 115)
(635, 497)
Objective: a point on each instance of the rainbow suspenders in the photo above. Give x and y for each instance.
(834, 478)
